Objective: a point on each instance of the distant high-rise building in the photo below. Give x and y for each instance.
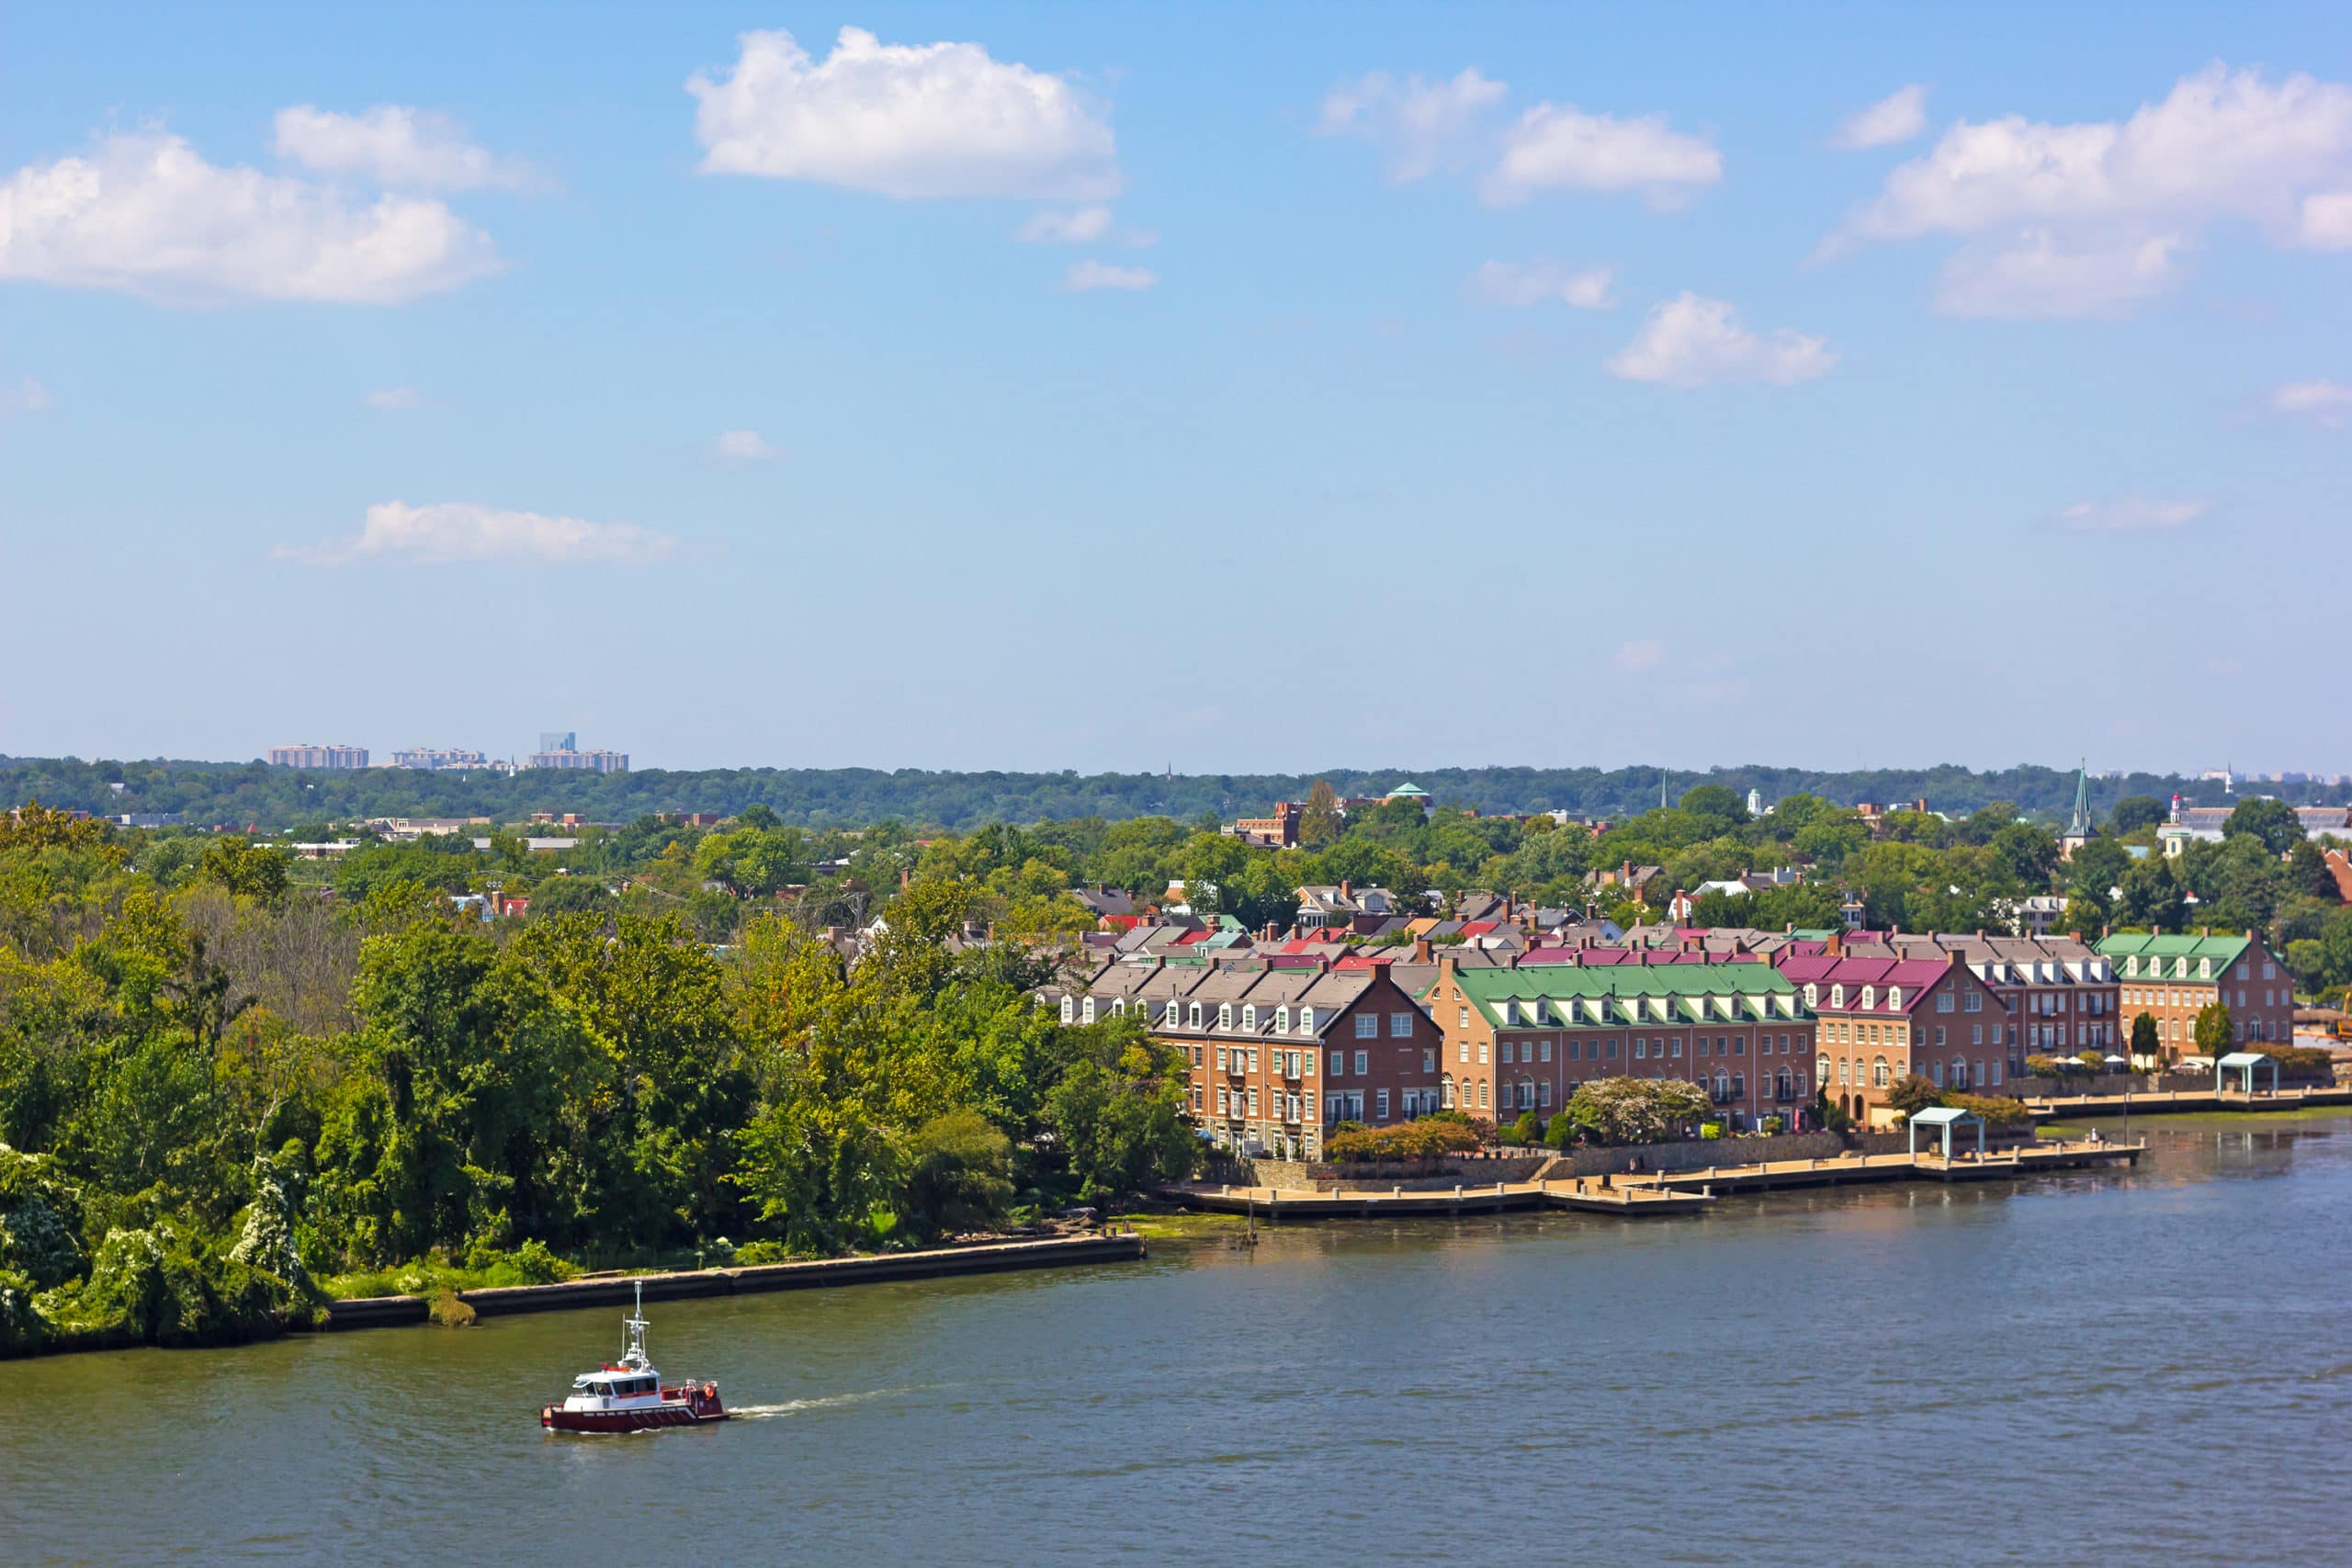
(559, 741)
(331, 759)
(571, 758)
(439, 760)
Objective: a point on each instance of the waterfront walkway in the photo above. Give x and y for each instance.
(1586, 1195)
(2024, 1159)
(1655, 1194)
(2168, 1102)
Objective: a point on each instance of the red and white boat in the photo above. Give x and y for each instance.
(628, 1395)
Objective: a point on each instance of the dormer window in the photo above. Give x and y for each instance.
(1307, 1021)
(1837, 996)
(1192, 1015)
(1118, 1007)
(1175, 1010)
(1282, 1020)
(2204, 968)
(1250, 1019)
(1869, 998)
(1069, 1009)
(1224, 1015)
(1812, 994)
(1086, 1011)
(1893, 998)
(2132, 964)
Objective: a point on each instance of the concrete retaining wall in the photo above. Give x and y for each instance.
(990, 1257)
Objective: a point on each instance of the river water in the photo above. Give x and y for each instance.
(2153, 1365)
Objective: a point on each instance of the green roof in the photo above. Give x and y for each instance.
(2223, 951)
(1628, 994)
(1406, 788)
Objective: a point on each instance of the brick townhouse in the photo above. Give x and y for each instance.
(1523, 1039)
(1877, 1018)
(1278, 1054)
(2060, 994)
(2172, 978)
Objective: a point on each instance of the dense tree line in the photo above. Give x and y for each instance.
(220, 1089)
(253, 793)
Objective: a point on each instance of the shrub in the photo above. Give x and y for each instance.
(1429, 1138)
(1637, 1110)
(752, 1254)
(2048, 1066)
(450, 1309)
(21, 1328)
(1997, 1112)
(1527, 1131)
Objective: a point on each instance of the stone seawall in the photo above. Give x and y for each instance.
(989, 1257)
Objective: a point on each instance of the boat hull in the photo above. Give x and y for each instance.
(697, 1411)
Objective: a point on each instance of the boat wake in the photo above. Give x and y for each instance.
(800, 1407)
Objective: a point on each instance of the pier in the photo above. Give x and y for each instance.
(2171, 1102)
(1655, 1194)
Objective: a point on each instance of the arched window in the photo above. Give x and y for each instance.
(1938, 1070)
(1118, 1007)
(1812, 994)
(1869, 998)
(1086, 1011)
(1878, 1072)
(1836, 996)
(1445, 1089)
(1960, 1072)
(1069, 1009)
(1894, 998)
(1821, 1067)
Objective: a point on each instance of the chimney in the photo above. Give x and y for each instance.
(2204, 931)
(1955, 958)
(1836, 946)
(1625, 874)
(904, 876)
(1346, 889)
(2105, 931)
(1507, 909)
(1420, 949)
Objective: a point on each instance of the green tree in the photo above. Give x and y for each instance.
(2146, 1044)
(2134, 812)
(1319, 821)
(2271, 822)
(2213, 1032)
(958, 1173)
(1911, 1094)
(249, 870)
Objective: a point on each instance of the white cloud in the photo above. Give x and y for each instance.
(393, 399)
(2223, 145)
(741, 446)
(938, 119)
(2326, 403)
(1532, 282)
(1690, 340)
(1559, 146)
(2036, 275)
(399, 148)
(2130, 514)
(1088, 275)
(1050, 227)
(1639, 655)
(2327, 220)
(1898, 117)
(1420, 126)
(147, 215)
(463, 531)
(27, 396)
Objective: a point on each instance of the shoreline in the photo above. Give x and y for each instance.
(356, 1312)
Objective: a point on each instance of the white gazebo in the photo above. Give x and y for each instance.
(2243, 1063)
(1943, 1119)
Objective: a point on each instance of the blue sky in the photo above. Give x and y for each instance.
(443, 378)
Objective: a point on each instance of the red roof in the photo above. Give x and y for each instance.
(1913, 977)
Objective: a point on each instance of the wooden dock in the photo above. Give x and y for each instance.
(1584, 1196)
(1654, 1194)
(2181, 1102)
(1996, 1164)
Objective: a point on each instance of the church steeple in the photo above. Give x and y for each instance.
(2080, 828)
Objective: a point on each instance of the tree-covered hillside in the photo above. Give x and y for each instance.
(255, 795)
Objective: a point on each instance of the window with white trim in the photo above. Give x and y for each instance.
(1367, 1026)
(1400, 1026)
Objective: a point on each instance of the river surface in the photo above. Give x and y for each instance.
(2153, 1366)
